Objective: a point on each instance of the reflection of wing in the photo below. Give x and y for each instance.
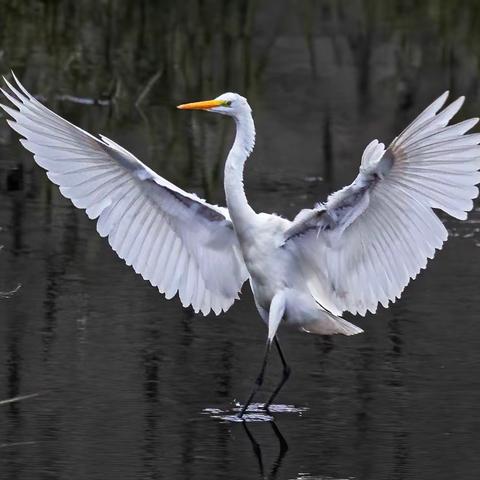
(172, 238)
(370, 238)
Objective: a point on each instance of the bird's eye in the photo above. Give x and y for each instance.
(227, 103)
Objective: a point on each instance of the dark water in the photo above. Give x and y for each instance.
(126, 384)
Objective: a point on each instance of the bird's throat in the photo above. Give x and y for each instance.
(240, 211)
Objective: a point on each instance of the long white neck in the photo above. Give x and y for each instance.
(240, 211)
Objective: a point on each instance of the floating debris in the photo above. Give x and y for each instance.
(84, 100)
(11, 292)
(16, 444)
(18, 399)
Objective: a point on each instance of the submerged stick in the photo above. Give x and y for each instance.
(18, 398)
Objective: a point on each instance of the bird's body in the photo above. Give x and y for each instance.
(360, 248)
(266, 261)
(273, 270)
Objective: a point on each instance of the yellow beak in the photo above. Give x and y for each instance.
(201, 105)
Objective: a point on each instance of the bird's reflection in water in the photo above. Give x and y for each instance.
(282, 452)
(307, 476)
(257, 450)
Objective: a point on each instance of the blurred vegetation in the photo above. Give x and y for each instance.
(113, 48)
(136, 59)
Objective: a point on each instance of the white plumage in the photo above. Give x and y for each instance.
(148, 220)
(358, 249)
(378, 233)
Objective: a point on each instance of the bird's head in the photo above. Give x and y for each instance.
(231, 104)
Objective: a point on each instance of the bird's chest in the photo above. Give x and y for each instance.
(267, 269)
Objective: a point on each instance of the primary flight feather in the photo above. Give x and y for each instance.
(359, 249)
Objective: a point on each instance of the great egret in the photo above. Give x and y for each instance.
(358, 249)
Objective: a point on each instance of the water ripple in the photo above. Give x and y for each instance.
(255, 412)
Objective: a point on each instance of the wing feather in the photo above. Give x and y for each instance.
(172, 238)
(371, 238)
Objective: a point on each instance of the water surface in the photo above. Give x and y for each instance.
(127, 385)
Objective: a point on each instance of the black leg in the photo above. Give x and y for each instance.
(285, 374)
(258, 381)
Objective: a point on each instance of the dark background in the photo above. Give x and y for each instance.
(123, 377)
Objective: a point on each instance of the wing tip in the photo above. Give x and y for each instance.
(460, 100)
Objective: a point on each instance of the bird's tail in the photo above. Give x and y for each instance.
(347, 328)
(330, 324)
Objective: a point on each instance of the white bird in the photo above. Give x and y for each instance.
(357, 250)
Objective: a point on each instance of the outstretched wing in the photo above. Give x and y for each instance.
(172, 238)
(365, 244)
